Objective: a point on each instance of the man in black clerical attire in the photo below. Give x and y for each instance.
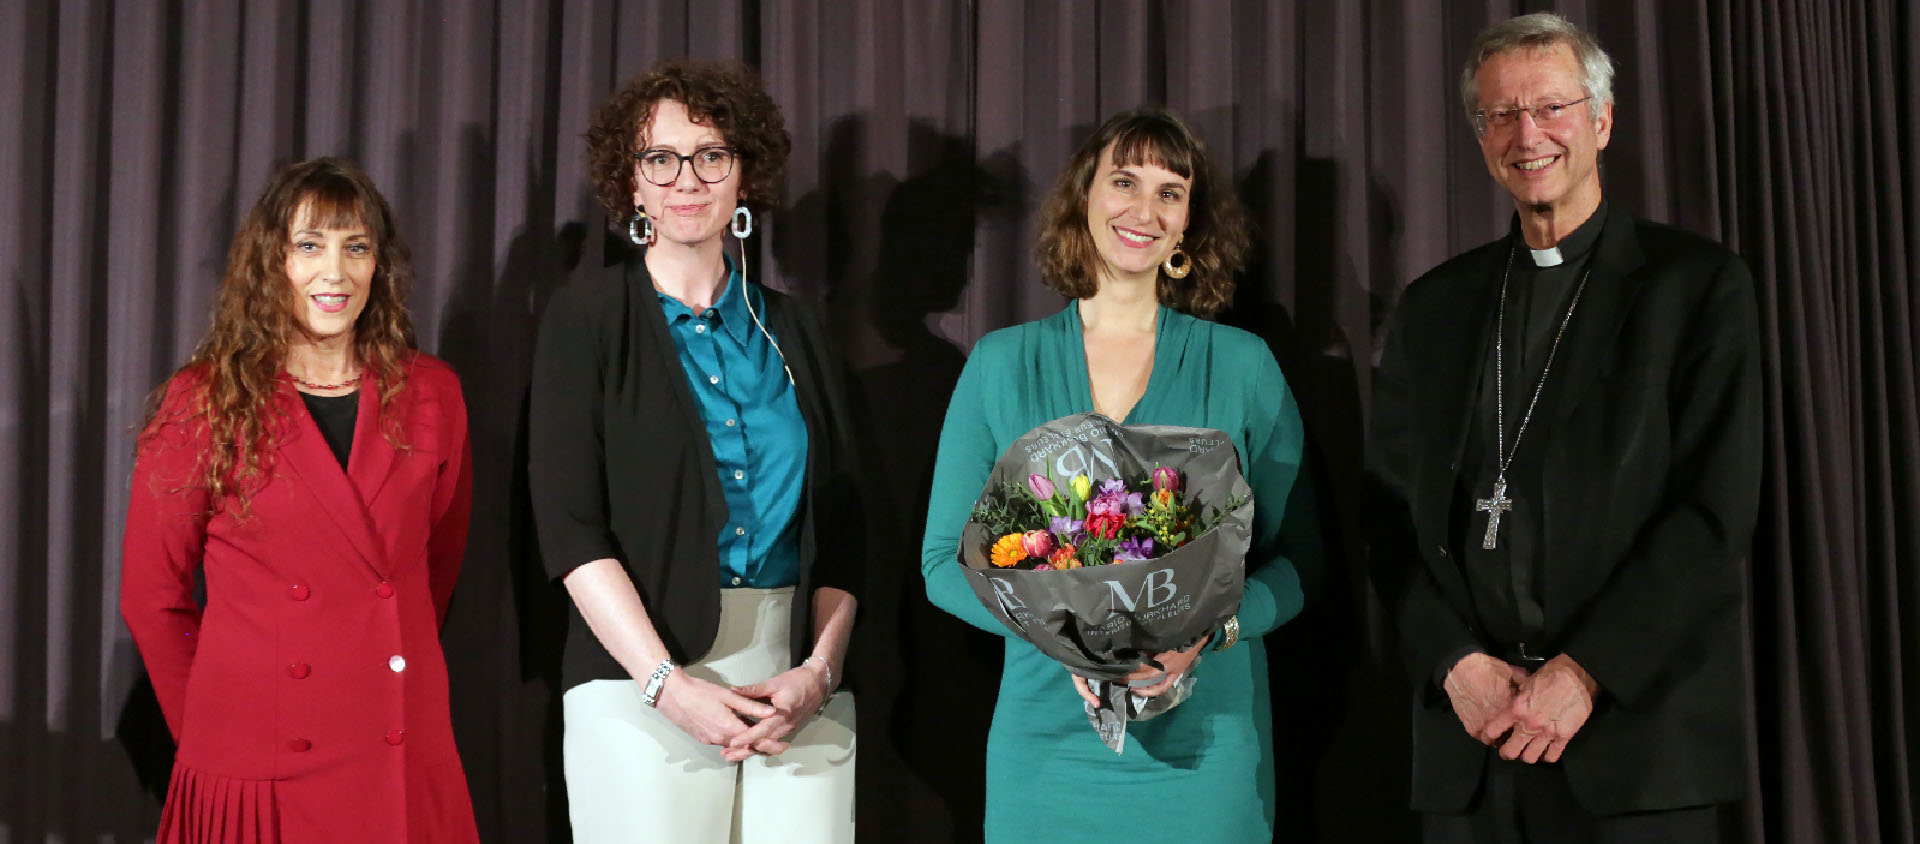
(1566, 451)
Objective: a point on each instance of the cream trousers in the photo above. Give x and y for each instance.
(632, 776)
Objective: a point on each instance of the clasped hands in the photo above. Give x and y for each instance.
(1530, 717)
(1173, 664)
(747, 720)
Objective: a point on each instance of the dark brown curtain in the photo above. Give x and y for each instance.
(134, 134)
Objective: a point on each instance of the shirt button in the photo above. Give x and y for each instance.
(699, 329)
(731, 423)
(396, 736)
(713, 379)
(299, 592)
(299, 745)
(736, 581)
(299, 670)
(739, 475)
(739, 531)
(397, 662)
(384, 590)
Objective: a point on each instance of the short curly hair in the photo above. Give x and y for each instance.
(1216, 238)
(727, 96)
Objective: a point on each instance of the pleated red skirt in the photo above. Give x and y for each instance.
(203, 808)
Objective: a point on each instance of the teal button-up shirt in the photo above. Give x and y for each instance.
(753, 421)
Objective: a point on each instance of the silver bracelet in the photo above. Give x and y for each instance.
(824, 666)
(656, 681)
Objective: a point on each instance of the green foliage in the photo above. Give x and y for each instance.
(1012, 511)
(1096, 551)
(1214, 519)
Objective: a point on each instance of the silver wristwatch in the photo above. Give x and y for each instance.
(656, 681)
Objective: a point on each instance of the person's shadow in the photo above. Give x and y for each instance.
(1337, 698)
(506, 710)
(925, 680)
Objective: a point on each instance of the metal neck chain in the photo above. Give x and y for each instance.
(1500, 367)
(312, 386)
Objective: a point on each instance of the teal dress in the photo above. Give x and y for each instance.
(1204, 771)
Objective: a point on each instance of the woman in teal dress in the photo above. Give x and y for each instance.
(1144, 239)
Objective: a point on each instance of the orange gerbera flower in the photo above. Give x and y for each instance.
(1007, 551)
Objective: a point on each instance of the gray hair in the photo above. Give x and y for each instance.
(1540, 30)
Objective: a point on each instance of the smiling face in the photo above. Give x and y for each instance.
(331, 270)
(689, 211)
(1554, 167)
(1136, 214)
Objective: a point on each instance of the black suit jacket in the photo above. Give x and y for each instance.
(621, 466)
(1651, 427)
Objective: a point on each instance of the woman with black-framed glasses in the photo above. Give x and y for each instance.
(692, 485)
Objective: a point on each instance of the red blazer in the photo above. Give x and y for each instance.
(316, 664)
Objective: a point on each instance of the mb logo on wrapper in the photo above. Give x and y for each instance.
(1156, 591)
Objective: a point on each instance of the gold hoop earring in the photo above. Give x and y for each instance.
(1177, 264)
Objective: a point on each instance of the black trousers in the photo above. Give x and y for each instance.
(1532, 804)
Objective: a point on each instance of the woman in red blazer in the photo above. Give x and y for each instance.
(313, 468)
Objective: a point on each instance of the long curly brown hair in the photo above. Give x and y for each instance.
(728, 97)
(1215, 241)
(233, 376)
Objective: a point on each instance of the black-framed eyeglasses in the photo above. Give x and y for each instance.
(1545, 115)
(662, 166)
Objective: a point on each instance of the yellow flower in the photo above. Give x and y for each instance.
(1007, 551)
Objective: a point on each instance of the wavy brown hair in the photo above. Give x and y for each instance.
(728, 97)
(1216, 238)
(234, 374)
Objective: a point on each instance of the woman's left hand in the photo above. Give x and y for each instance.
(796, 694)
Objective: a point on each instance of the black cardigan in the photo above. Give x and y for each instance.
(621, 467)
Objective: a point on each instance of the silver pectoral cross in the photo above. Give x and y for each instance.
(1493, 507)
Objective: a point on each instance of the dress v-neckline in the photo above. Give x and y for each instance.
(1078, 330)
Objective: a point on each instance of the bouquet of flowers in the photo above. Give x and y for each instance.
(1104, 545)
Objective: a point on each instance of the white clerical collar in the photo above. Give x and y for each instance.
(1548, 257)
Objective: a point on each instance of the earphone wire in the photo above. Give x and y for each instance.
(747, 295)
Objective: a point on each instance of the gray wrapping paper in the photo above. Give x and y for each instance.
(1103, 622)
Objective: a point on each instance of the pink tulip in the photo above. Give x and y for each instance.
(1037, 543)
(1042, 488)
(1167, 478)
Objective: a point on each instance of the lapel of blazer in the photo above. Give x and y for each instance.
(806, 370)
(651, 320)
(307, 454)
(371, 460)
(1466, 338)
(808, 381)
(1613, 283)
(1454, 337)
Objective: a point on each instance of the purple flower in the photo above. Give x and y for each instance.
(1133, 549)
(1113, 486)
(1042, 488)
(1134, 506)
(1068, 529)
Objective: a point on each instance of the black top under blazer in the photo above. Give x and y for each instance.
(1650, 435)
(620, 465)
